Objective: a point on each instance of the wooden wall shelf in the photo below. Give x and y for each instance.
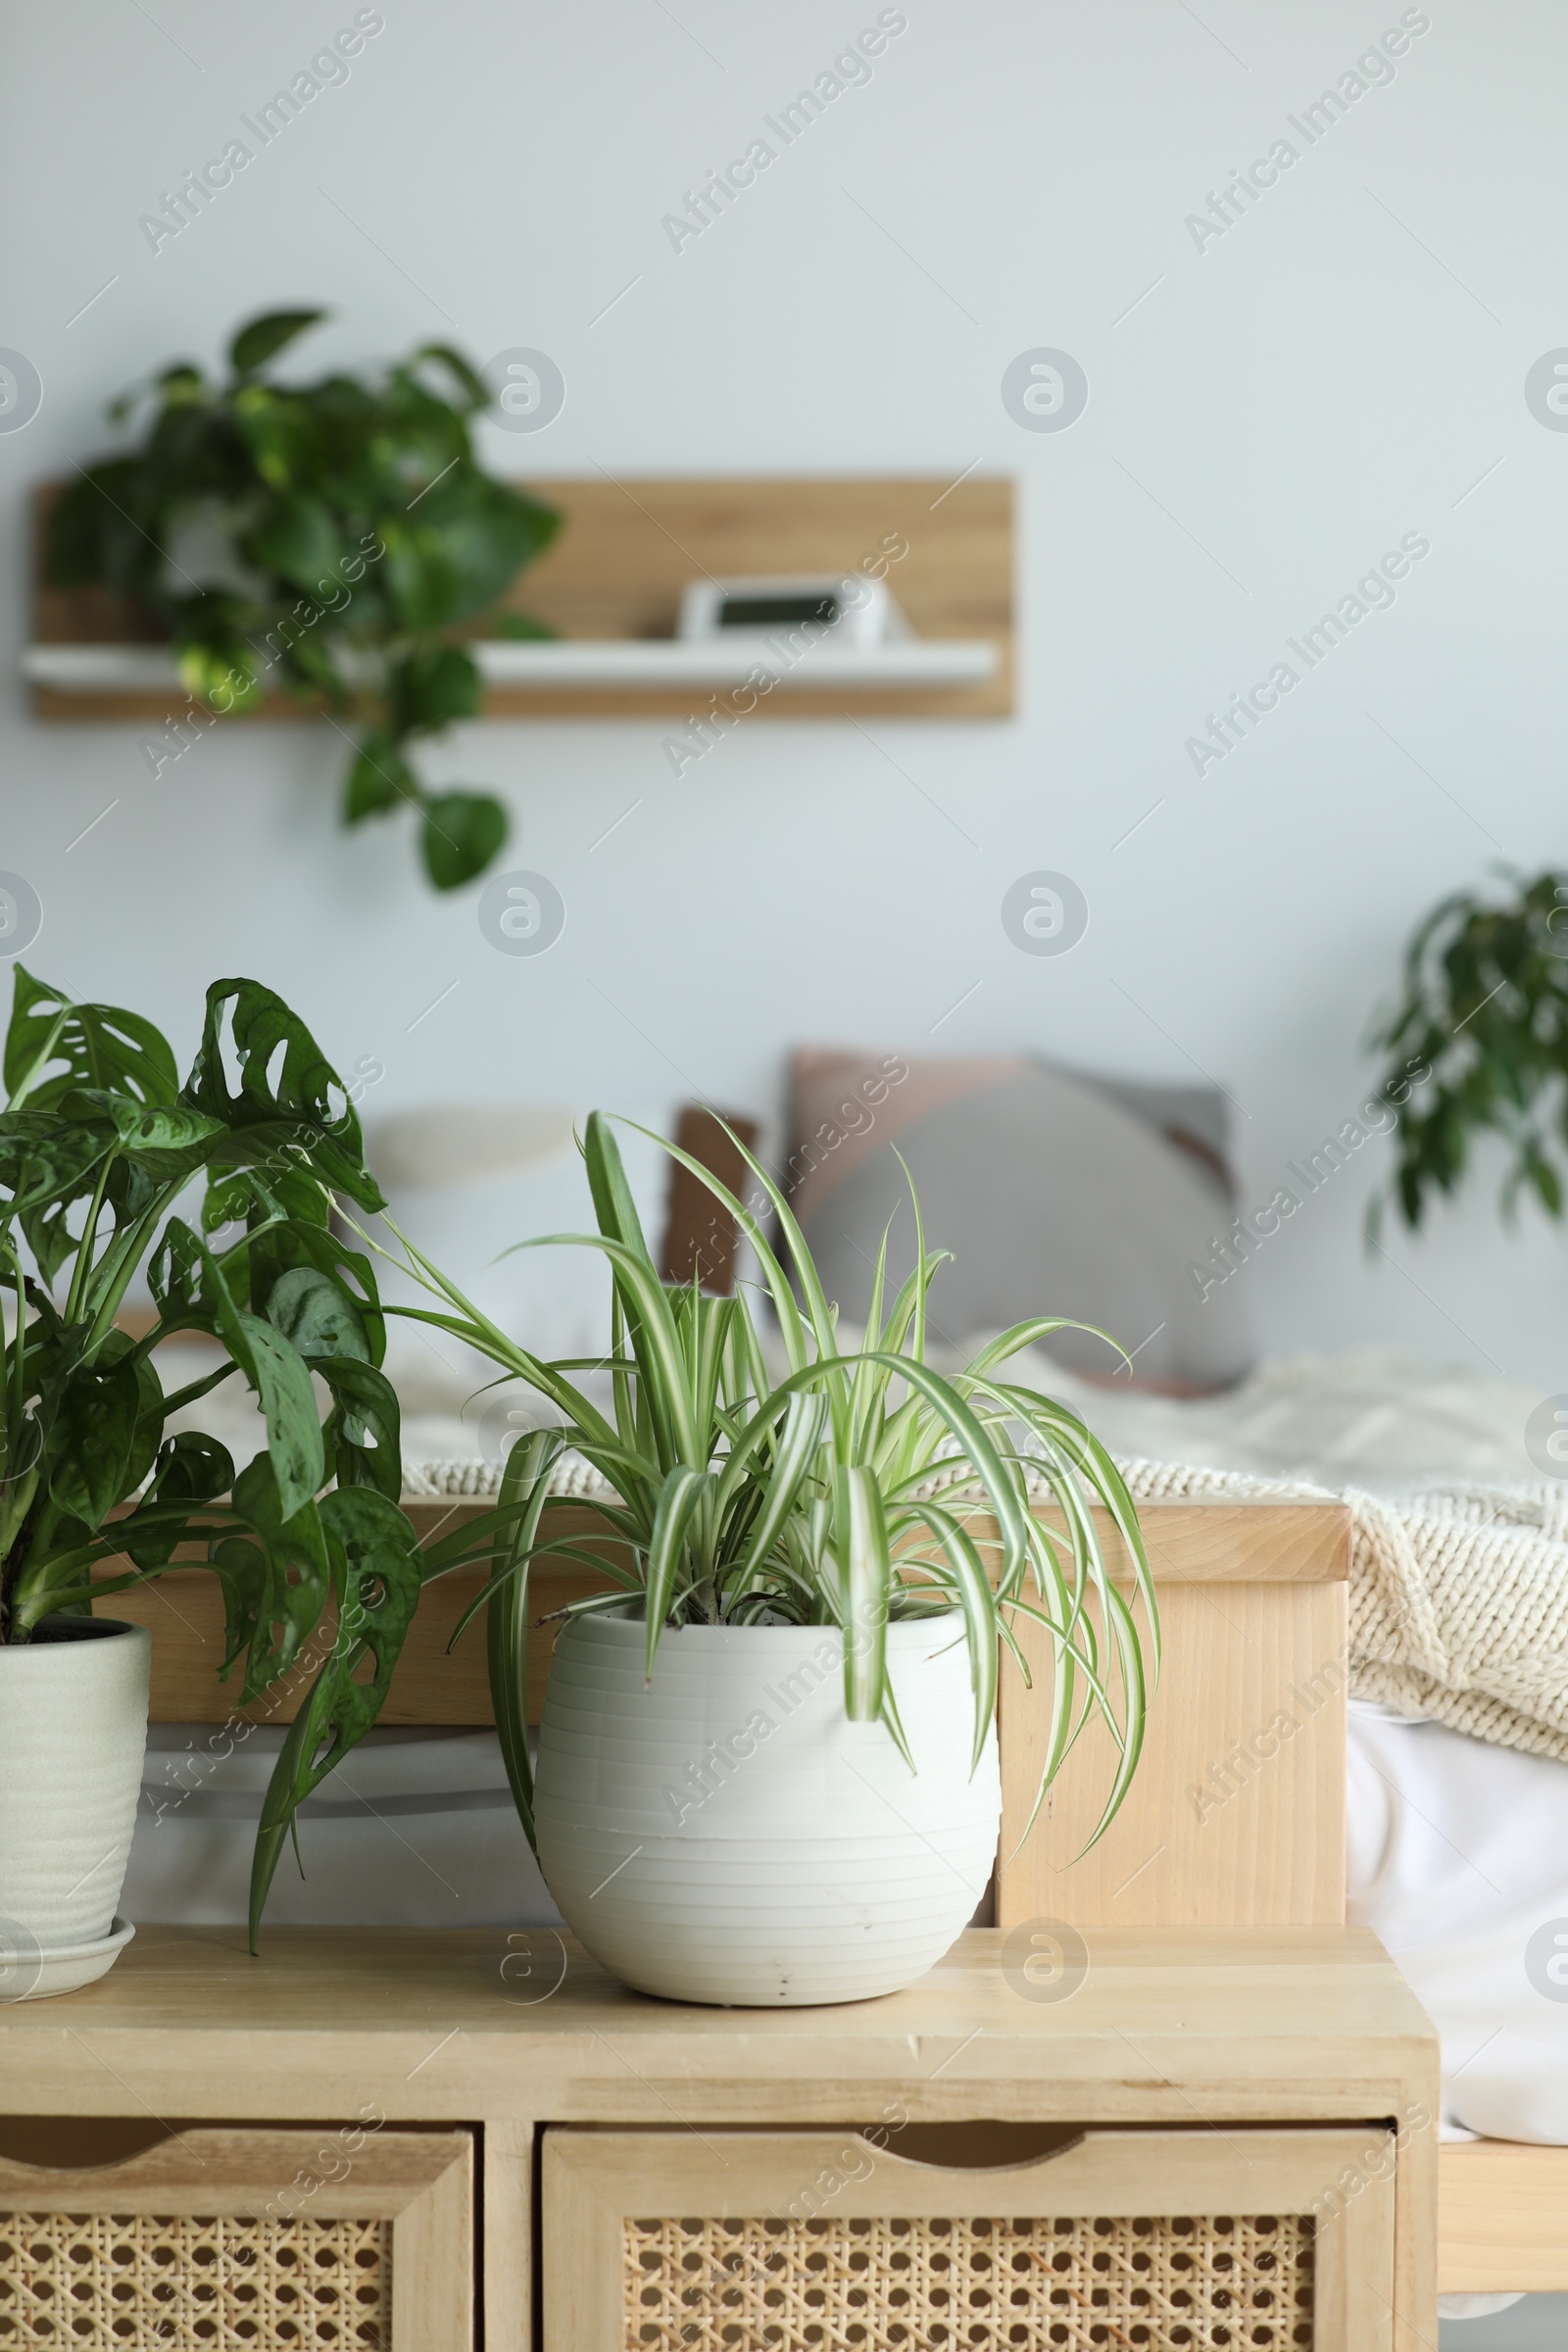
(612, 585)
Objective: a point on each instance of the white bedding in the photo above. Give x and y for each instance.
(1380, 1418)
(1459, 1861)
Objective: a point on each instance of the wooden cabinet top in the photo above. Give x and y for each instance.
(1175, 2024)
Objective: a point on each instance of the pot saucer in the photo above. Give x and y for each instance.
(32, 1971)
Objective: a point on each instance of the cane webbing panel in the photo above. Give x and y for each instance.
(1008, 2285)
(127, 2283)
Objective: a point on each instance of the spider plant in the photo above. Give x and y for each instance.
(862, 1486)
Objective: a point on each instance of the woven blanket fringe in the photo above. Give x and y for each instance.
(1459, 1595)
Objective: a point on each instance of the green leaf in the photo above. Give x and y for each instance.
(192, 1470)
(275, 1582)
(612, 1195)
(288, 1404)
(1483, 1031)
(284, 1081)
(316, 1314)
(167, 1140)
(152, 1407)
(189, 1286)
(292, 1169)
(376, 1572)
(773, 1274)
(679, 1501)
(281, 435)
(978, 1603)
(651, 1326)
(462, 832)
(275, 1249)
(264, 1187)
(89, 1440)
(311, 668)
(220, 671)
(865, 1571)
(362, 1437)
(180, 385)
(297, 537)
(47, 1166)
(478, 536)
(380, 779)
(262, 339)
(524, 1489)
(434, 686)
(458, 551)
(100, 1119)
(797, 1452)
(1548, 1184)
(475, 391)
(98, 1045)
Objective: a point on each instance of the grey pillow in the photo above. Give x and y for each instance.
(1058, 1194)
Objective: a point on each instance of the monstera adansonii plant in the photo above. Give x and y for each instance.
(100, 1144)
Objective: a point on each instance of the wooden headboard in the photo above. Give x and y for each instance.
(1236, 1816)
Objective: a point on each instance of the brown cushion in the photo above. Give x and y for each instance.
(1056, 1193)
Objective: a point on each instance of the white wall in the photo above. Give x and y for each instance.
(1292, 399)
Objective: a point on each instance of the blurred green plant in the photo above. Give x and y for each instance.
(1484, 1008)
(327, 538)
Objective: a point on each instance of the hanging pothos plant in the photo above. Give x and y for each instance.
(327, 539)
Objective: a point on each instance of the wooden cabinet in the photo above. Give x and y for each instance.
(1204, 2141)
(675, 2241)
(353, 2238)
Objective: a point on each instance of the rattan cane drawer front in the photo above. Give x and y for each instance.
(982, 2285)
(802, 2243)
(344, 2238)
(175, 2279)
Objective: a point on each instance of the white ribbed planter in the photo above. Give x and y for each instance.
(729, 1835)
(72, 1729)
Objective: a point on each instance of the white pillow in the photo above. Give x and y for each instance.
(466, 1185)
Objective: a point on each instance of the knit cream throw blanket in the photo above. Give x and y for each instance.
(1458, 1597)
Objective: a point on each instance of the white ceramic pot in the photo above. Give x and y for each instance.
(727, 1834)
(72, 1729)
